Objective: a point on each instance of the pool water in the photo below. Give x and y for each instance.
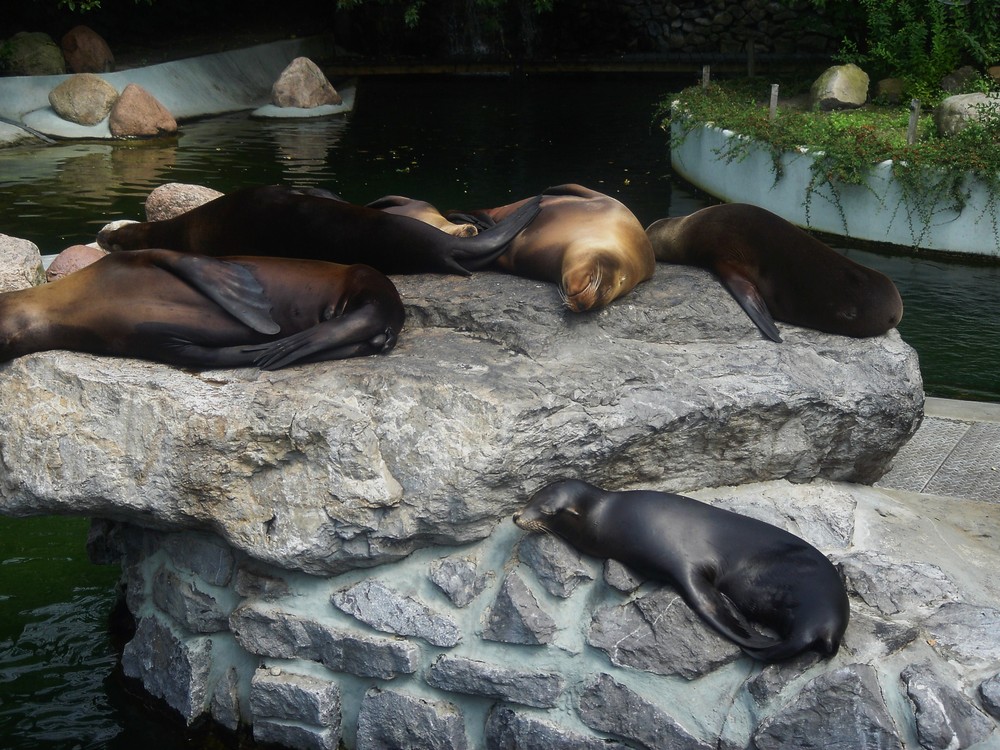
(459, 142)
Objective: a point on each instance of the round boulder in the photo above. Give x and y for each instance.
(175, 198)
(302, 84)
(86, 51)
(73, 258)
(85, 99)
(956, 112)
(840, 87)
(33, 53)
(137, 114)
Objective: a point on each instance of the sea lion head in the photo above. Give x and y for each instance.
(565, 508)
(662, 235)
(595, 281)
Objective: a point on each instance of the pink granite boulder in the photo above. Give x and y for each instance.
(302, 84)
(137, 114)
(86, 51)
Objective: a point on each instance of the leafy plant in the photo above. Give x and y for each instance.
(919, 41)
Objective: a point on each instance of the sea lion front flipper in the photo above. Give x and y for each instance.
(229, 285)
(716, 610)
(746, 293)
(366, 330)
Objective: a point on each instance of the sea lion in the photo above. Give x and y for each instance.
(281, 221)
(777, 271)
(202, 312)
(588, 243)
(425, 212)
(732, 570)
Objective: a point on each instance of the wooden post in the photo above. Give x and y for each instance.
(911, 130)
(750, 60)
(706, 75)
(773, 113)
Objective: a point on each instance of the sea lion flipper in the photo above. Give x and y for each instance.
(479, 220)
(724, 617)
(746, 293)
(473, 253)
(366, 330)
(230, 285)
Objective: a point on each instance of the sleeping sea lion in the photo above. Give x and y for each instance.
(201, 312)
(776, 271)
(281, 221)
(588, 243)
(735, 572)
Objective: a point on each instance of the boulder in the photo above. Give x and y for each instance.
(137, 114)
(954, 113)
(840, 87)
(85, 99)
(492, 391)
(72, 259)
(959, 80)
(890, 90)
(86, 51)
(302, 84)
(33, 53)
(174, 198)
(20, 264)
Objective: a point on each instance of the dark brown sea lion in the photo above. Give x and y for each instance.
(588, 243)
(732, 570)
(776, 271)
(201, 312)
(281, 221)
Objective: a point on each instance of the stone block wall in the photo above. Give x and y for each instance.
(518, 641)
(728, 27)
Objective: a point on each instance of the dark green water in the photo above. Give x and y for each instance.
(458, 142)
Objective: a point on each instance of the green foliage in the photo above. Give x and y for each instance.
(919, 41)
(846, 144)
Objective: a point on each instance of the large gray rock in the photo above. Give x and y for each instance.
(840, 87)
(955, 113)
(302, 84)
(85, 99)
(33, 53)
(492, 391)
(20, 264)
(174, 198)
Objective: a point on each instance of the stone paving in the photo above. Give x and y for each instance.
(956, 453)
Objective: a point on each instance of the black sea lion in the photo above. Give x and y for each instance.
(588, 243)
(281, 221)
(201, 312)
(776, 271)
(732, 570)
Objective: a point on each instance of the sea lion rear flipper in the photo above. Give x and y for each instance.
(230, 285)
(746, 293)
(473, 253)
(366, 330)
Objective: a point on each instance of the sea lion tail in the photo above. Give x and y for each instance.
(474, 253)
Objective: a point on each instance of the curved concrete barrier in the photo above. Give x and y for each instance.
(193, 87)
(877, 211)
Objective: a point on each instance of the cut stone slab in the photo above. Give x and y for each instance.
(492, 391)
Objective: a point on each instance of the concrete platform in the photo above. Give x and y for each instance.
(955, 453)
